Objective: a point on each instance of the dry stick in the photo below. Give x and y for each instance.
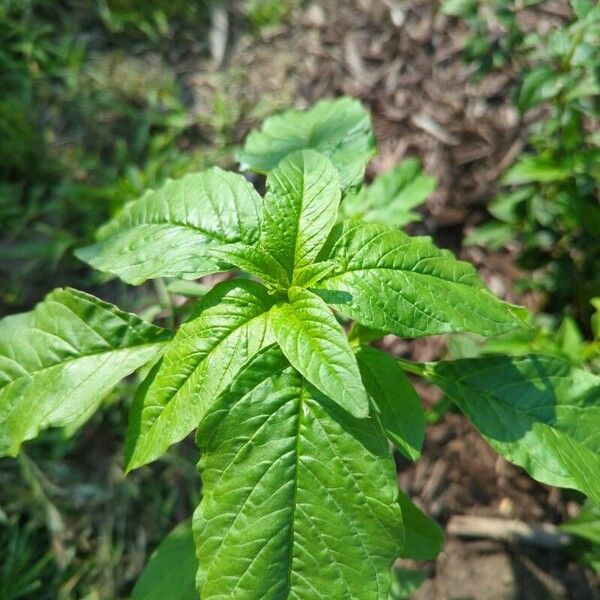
(544, 535)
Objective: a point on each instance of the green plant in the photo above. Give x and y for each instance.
(550, 203)
(494, 30)
(292, 416)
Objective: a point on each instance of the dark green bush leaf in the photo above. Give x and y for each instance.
(538, 412)
(397, 404)
(171, 570)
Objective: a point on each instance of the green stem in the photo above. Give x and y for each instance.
(164, 299)
(416, 368)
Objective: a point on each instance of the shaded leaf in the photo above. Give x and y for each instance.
(171, 570)
(405, 582)
(423, 537)
(398, 405)
(538, 412)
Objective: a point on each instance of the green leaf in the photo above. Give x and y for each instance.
(389, 281)
(423, 537)
(59, 361)
(315, 344)
(538, 412)
(227, 328)
(300, 498)
(255, 261)
(535, 169)
(169, 232)
(171, 570)
(405, 582)
(492, 235)
(392, 195)
(540, 85)
(299, 209)
(340, 129)
(310, 275)
(586, 524)
(582, 7)
(398, 406)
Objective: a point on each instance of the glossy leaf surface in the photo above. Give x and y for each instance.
(227, 328)
(389, 281)
(59, 361)
(315, 344)
(299, 209)
(300, 498)
(169, 232)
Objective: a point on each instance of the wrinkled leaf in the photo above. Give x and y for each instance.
(59, 361)
(340, 129)
(398, 406)
(254, 260)
(227, 328)
(299, 209)
(538, 412)
(315, 344)
(299, 497)
(169, 232)
(389, 281)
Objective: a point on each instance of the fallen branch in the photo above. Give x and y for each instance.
(544, 535)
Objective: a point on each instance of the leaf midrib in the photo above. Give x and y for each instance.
(76, 358)
(122, 230)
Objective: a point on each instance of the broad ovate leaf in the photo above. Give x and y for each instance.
(397, 404)
(315, 344)
(169, 232)
(299, 210)
(59, 361)
(171, 570)
(228, 326)
(538, 412)
(300, 498)
(393, 195)
(389, 281)
(340, 129)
